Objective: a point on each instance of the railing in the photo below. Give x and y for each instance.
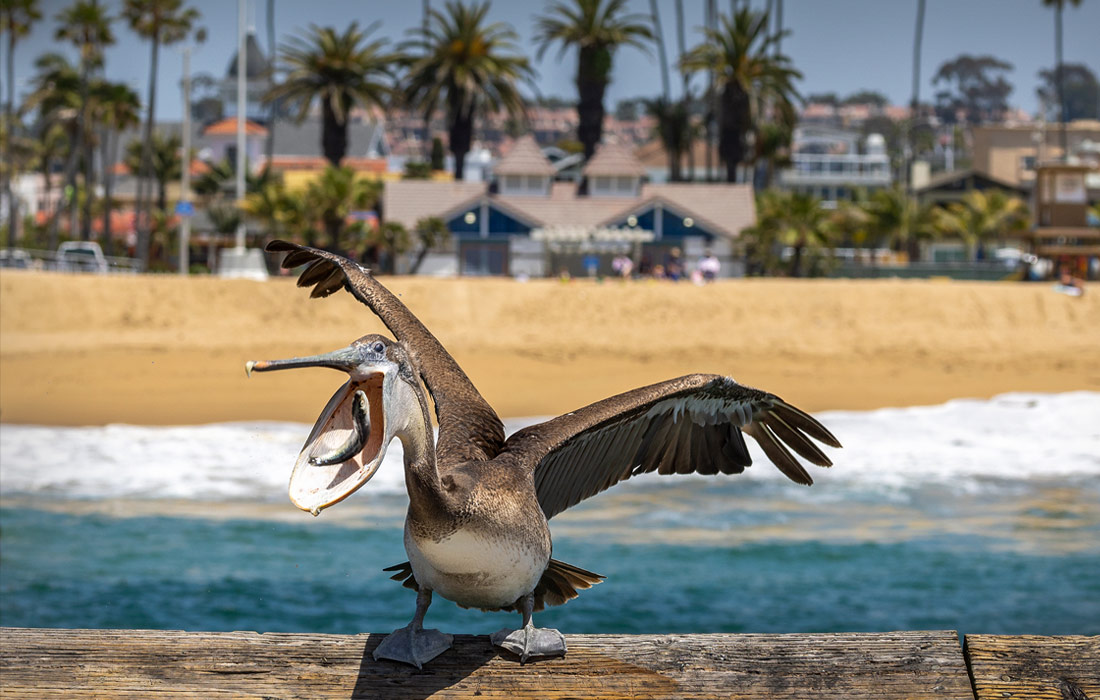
(30, 259)
(816, 168)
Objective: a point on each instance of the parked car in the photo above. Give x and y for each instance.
(81, 256)
(15, 257)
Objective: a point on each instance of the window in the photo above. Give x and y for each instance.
(624, 185)
(513, 182)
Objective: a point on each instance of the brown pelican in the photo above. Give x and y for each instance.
(476, 530)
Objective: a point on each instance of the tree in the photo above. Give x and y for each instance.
(899, 221)
(166, 162)
(161, 22)
(16, 19)
(393, 239)
(749, 75)
(467, 65)
(976, 87)
(342, 71)
(823, 98)
(1073, 85)
(331, 199)
(983, 215)
(117, 108)
(56, 98)
(1058, 6)
(790, 219)
(596, 28)
(867, 97)
(282, 210)
(87, 26)
(417, 170)
(438, 157)
(431, 231)
(674, 129)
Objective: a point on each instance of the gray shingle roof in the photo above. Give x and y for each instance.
(524, 158)
(720, 208)
(614, 159)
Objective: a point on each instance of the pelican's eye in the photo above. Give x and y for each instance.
(379, 348)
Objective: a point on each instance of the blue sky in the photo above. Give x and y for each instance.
(840, 45)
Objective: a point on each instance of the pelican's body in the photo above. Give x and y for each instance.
(477, 529)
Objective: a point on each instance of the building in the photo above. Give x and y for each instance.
(524, 222)
(828, 163)
(257, 83)
(1010, 152)
(1062, 230)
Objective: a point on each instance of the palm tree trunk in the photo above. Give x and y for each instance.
(660, 36)
(461, 132)
(9, 157)
(420, 255)
(109, 154)
(686, 90)
(334, 135)
(593, 68)
(269, 145)
(733, 123)
(70, 186)
(141, 213)
(1059, 73)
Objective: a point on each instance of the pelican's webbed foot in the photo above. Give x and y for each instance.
(530, 641)
(360, 432)
(412, 644)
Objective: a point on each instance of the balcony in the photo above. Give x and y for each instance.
(825, 169)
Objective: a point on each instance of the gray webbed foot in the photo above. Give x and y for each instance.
(531, 642)
(415, 647)
(359, 434)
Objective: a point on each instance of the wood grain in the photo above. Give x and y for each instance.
(1031, 667)
(58, 663)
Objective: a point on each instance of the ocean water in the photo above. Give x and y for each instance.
(976, 515)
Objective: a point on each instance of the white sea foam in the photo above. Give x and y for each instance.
(963, 444)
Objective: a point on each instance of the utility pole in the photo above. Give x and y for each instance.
(185, 171)
(242, 68)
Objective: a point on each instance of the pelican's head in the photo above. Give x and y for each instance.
(349, 439)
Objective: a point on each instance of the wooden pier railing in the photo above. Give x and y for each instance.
(61, 663)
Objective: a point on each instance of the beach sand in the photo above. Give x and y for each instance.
(161, 350)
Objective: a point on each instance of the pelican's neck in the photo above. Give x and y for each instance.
(421, 472)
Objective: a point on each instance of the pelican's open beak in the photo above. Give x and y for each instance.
(349, 439)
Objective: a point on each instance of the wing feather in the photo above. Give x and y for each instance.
(692, 424)
(469, 427)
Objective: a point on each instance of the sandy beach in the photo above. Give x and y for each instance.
(161, 350)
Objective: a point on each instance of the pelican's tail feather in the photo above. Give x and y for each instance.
(560, 583)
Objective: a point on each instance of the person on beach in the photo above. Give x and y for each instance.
(709, 266)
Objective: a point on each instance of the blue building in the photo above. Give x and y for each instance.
(523, 222)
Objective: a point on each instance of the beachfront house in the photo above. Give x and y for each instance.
(525, 222)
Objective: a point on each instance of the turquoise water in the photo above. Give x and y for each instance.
(980, 516)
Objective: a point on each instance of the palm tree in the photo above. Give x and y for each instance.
(167, 163)
(161, 22)
(469, 66)
(1058, 6)
(393, 239)
(331, 199)
(983, 215)
(431, 231)
(117, 108)
(790, 219)
(674, 129)
(56, 98)
(596, 28)
(342, 72)
(87, 26)
(899, 221)
(748, 77)
(16, 19)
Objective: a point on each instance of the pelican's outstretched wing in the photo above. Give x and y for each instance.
(469, 428)
(688, 425)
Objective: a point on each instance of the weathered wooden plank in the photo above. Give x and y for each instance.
(1058, 668)
(55, 663)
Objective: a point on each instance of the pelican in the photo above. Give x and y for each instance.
(476, 529)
